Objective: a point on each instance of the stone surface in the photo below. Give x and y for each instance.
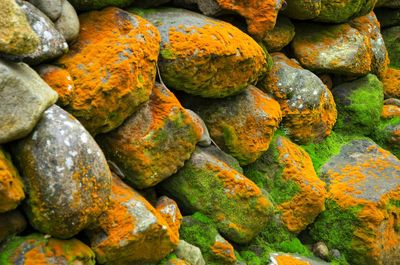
(24, 98)
(209, 185)
(205, 139)
(362, 207)
(16, 35)
(392, 42)
(391, 83)
(68, 22)
(11, 186)
(241, 125)
(387, 133)
(39, 249)
(287, 173)
(11, 223)
(190, 253)
(67, 178)
(282, 34)
(342, 10)
(110, 81)
(308, 108)
(302, 9)
(85, 5)
(388, 17)
(169, 210)
(131, 231)
(204, 56)
(388, 3)
(338, 49)
(293, 259)
(51, 8)
(154, 142)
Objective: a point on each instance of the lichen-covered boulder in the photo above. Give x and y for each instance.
(51, 8)
(388, 3)
(154, 142)
(362, 206)
(302, 9)
(392, 42)
(208, 184)
(241, 125)
(24, 99)
(204, 56)
(359, 105)
(337, 49)
(287, 173)
(11, 186)
(85, 5)
(67, 178)
(68, 22)
(342, 10)
(391, 83)
(308, 108)
(11, 223)
(205, 138)
(294, 259)
(387, 133)
(388, 17)
(39, 249)
(170, 212)
(113, 67)
(130, 231)
(16, 35)
(282, 34)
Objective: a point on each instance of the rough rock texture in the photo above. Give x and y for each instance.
(391, 83)
(190, 253)
(359, 105)
(241, 125)
(68, 22)
(39, 249)
(11, 186)
(85, 5)
(293, 259)
(282, 34)
(204, 56)
(342, 10)
(388, 17)
(209, 185)
(387, 134)
(169, 210)
(302, 9)
(24, 97)
(154, 142)
(392, 41)
(131, 231)
(68, 191)
(16, 35)
(113, 66)
(308, 108)
(388, 3)
(287, 173)
(51, 8)
(362, 207)
(11, 223)
(205, 138)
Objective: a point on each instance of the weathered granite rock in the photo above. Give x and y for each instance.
(204, 56)
(391, 83)
(51, 8)
(39, 249)
(190, 253)
(170, 212)
(67, 178)
(68, 22)
(308, 108)
(282, 34)
(113, 67)
(154, 142)
(302, 9)
(11, 223)
(209, 185)
(392, 42)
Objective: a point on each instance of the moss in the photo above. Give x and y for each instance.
(167, 54)
(339, 11)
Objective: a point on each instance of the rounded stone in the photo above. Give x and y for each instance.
(342, 10)
(282, 34)
(68, 22)
(51, 8)
(302, 9)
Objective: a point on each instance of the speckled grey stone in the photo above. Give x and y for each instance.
(51, 8)
(190, 253)
(68, 22)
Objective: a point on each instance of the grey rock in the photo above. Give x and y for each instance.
(68, 22)
(67, 178)
(205, 139)
(51, 8)
(24, 97)
(321, 250)
(190, 253)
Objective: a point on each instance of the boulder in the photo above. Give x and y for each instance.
(169, 210)
(51, 8)
(282, 34)
(67, 178)
(294, 259)
(302, 9)
(11, 223)
(68, 22)
(342, 10)
(392, 42)
(387, 133)
(190, 253)
(391, 83)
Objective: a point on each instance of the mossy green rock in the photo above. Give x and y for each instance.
(282, 34)
(85, 5)
(343, 10)
(392, 41)
(39, 249)
(302, 9)
(208, 185)
(359, 105)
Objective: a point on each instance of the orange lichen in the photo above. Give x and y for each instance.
(176, 261)
(224, 251)
(169, 210)
(290, 260)
(390, 111)
(391, 83)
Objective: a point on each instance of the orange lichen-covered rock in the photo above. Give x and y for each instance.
(293, 259)
(308, 108)
(287, 173)
(154, 142)
(113, 67)
(37, 249)
(282, 34)
(205, 56)
(387, 133)
(337, 49)
(363, 204)
(169, 210)
(131, 231)
(241, 125)
(11, 186)
(208, 184)
(391, 83)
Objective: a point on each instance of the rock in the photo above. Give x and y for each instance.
(169, 210)
(321, 250)
(392, 41)
(388, 17)
(308, 108)
(51, 43)
(154, 142)
(342, 10)
(337, 49)
(388, 3)
(11, 223)
(200, 231)
(67, 178)
(131, 231)
(302, 9)
(51, 8)
(39, 249)
(293, 259)
(287, 173)
(241, 125)
(16, 35)
(68, 23)
(176, 261)
(111, 85)
(190, 253)
(24, 98)
(391, 83)
(203, 56)
(205, 139)
(282, 34)
(362, 204)
(387, 133)
(11, 186)
(209, 185)
(85, 5)
(359, 105)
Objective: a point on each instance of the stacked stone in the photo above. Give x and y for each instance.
(199, 132)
